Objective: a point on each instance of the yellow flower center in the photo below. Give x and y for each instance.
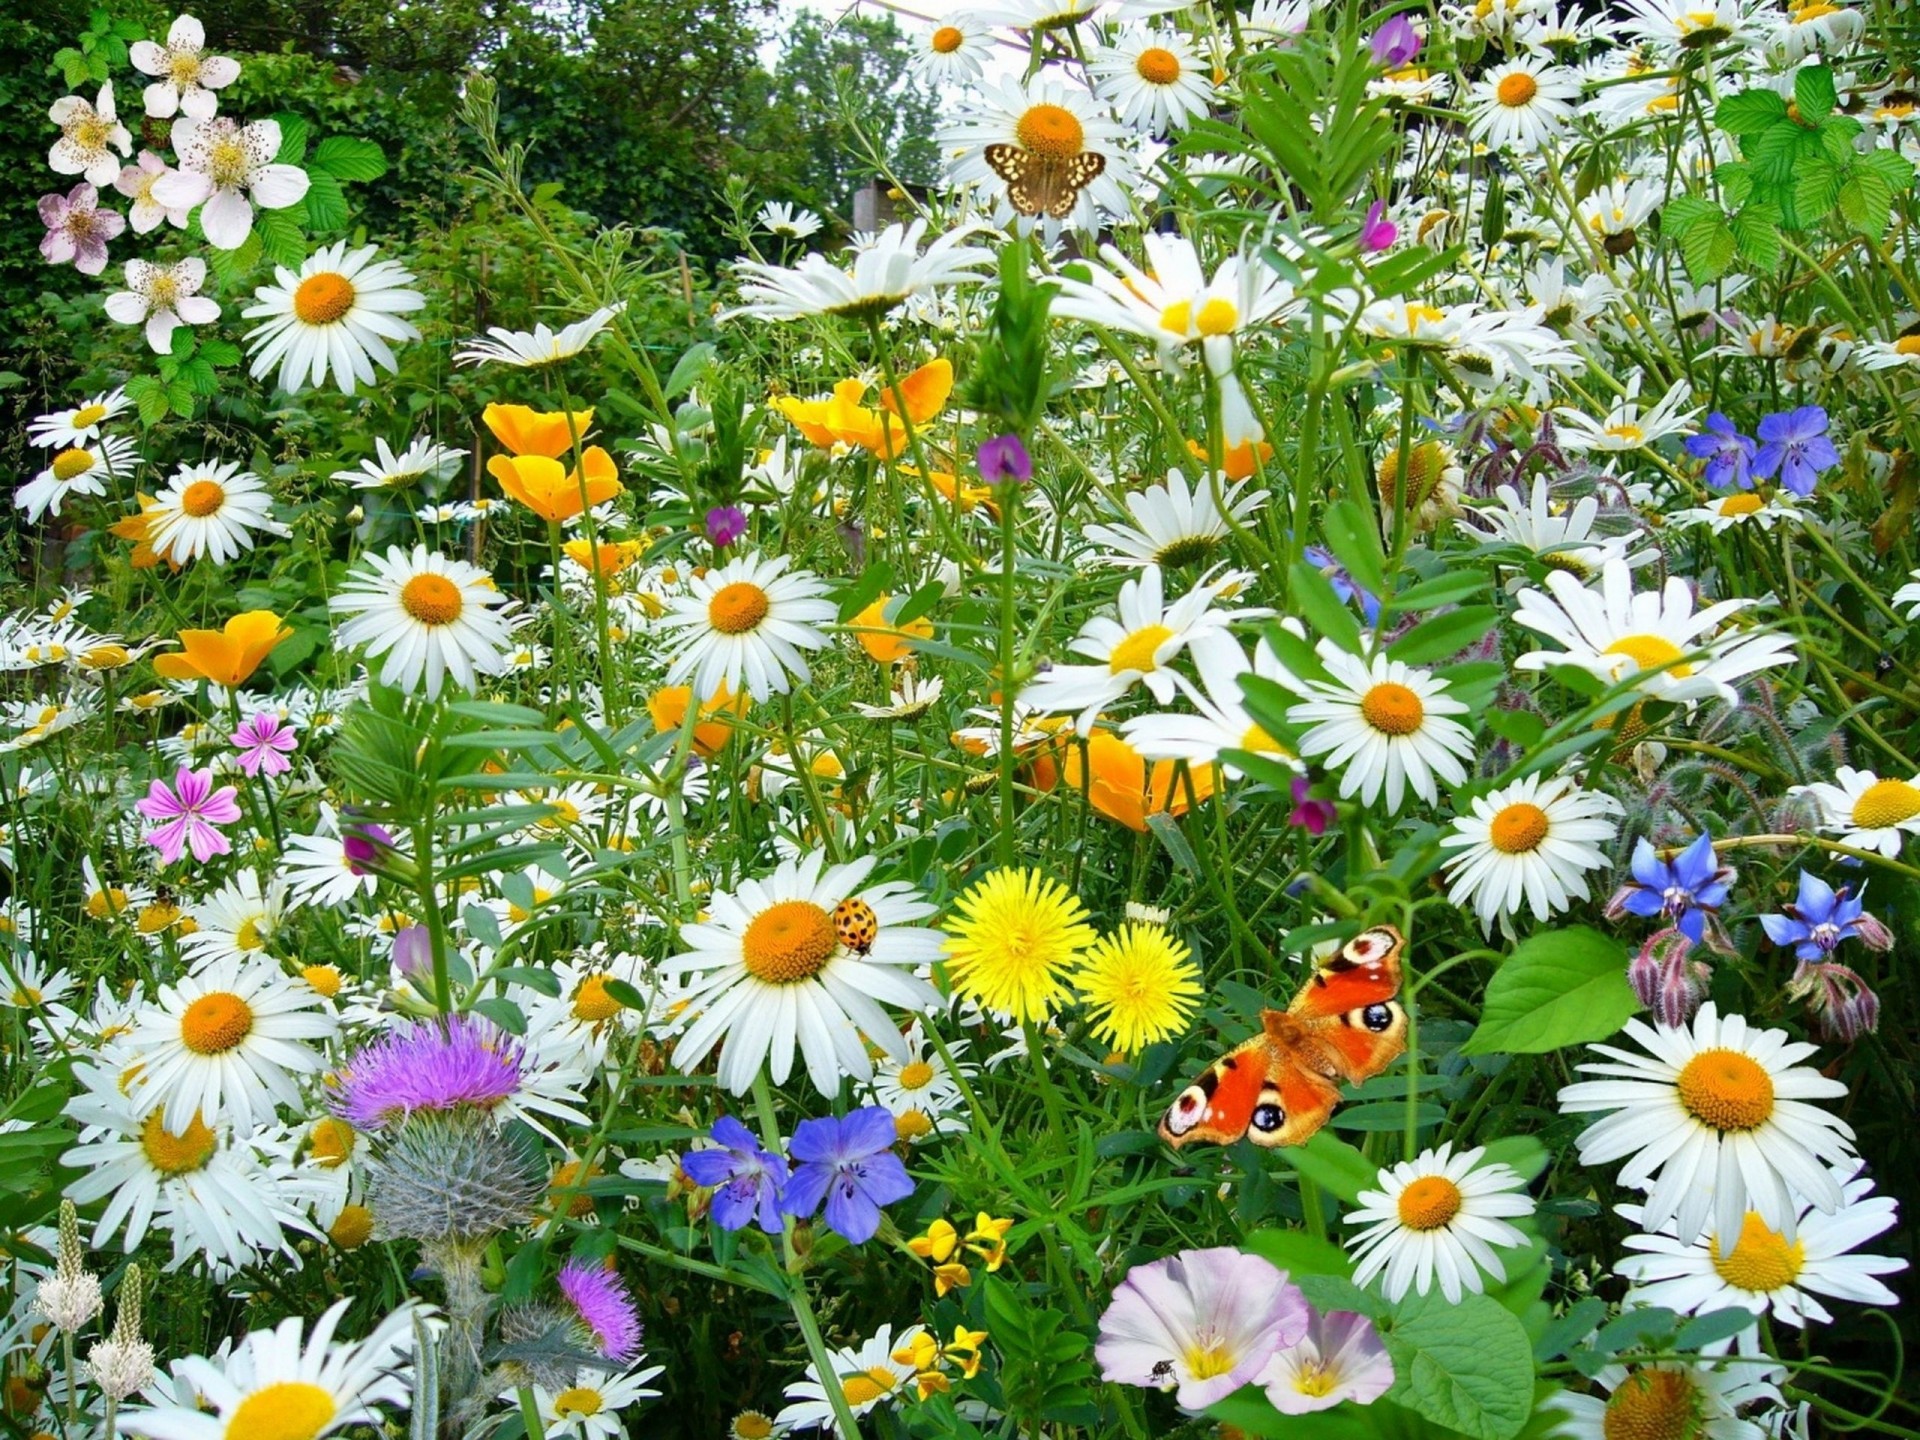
(323, 298)
(1727, 1090)
(215, 1023)
(1178, 318)
(789, 941)
(578, 1401)
(912, 1125)
(227, 164)
(1763, 1260)
(1157, 66)
(184, 70)
(330, 1142)
(752, 1425)
(1315, 1378)
(352, 1227)
(173, 1154)
(431, 599)
(1217, 317)
(1518, 829)
(156, 917)
(1051, 130)
(102, 903)
(163, 292)
(249, 935)
(1208, 1359)
(1136, 652)
(915, 1074)
(1905, 345)
(1418, 315)
(325, 979)
(71, 464)
(1392, 709)
(202, 498)
(1745, 503)
(1628, 432)
(737, 608)
(947, 39)
(287, 1410)
(90, 133)
(1429, 1203)
(1886, 802)
(88, 415)
(868, 1385)
(592, 1003)
(1650, 652)
(1652, 1405)
(1517, 89)
(1259, 742)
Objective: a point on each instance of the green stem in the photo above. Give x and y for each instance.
(803, 1315)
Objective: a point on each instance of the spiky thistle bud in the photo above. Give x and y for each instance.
(70, 1297)
(454, 1176)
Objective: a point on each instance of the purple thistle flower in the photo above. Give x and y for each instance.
(192, 807)
(78, 229)
(1794, 443)
(1395, 43)
(851, 1165)
(1685, 890)
(725, 524)
(600, 1300)
(1311, 815)
(1377, 232)
(440, 1064)
(1820, 917)
(745, 1179)
(1004, 459)
(264, 741)
(1728, 453)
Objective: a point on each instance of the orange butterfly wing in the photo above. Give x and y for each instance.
(1281, 1086)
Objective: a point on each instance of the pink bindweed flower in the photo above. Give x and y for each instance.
(191, 808)
(1341, 1357)
(264, 742)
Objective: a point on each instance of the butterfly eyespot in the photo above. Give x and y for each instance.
(1377, 1018)
(1187, 1111)
(856, 925)
(1267, 1118)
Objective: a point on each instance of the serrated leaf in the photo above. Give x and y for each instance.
(281, 240)
(1816, 186)
(1560, 987)
(326, 203)
(1750, 112)
(1466, 1365)
(1683, 212)
(295, 132)
(1757, 239)
(180, 398)
(1708, 249)
(1866, 202)
(219, 352)
(1813, 93)
(347, 158)
(199, 376)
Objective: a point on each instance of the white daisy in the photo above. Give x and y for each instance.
(335, 317)
(1175, 523)
(526, 350)
(235, 922)
(76, 470)
(92, 139)
(1687, 24)
(910, 698)
(1653, 637)
(1901, 353)
(1765, 1272)
(1866, 811)
(1702, 1401)
(67, 428)
(1056, 124)
(804, 958)
(228, 168)
(430, 616)
(743, 626)
(1221, 720)
(887, 270)
(1910, 595)
(1522, 105)
(1154, 78)
(388, 470)
(867, 1375)
(1564, 537)
(1743, 507)
(1627, 426)
(923, 1095)
(211, 510)
(953, 53)
(795, 222)
(590, 1407)
(1716, 1122)
(1438, 1217)
(1383, 724)
(1528, 843)
(163, 297)
(187, 76)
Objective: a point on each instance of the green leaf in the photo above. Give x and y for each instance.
(151, 396)
(281, 240)
(687, 369)
(1299, 1253)
(295, 132)
(1334, 1165)
(1685, 211)
(1355, 544)
(1708, 249)
(1813, 93)
(219, 352)
(1442, 635)
(919, 603)
(1757, 238)
(864, 591)
(1570, 1329)
(1321, 608)
(346, 158)
(199, 375)
(1713, 1326)
(1816, 186)
(504, 1013)
(1750, 112)
(180, 398)
(483, 925)
(326, 203)
(1467, 1366)
(624, 992)
(1630, 1330)
(1560, 987)
(1452, 588)
(1866, 202)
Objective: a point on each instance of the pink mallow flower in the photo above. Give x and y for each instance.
(264, 742)
(1341, 1357)
(191, 808)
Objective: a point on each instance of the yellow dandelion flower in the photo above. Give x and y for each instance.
(1011, 941)
(1140, 984)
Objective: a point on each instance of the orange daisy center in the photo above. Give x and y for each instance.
(1392, 709)
(737, 608)
(790, 941)
(202, 498)
(322, 299)
(1051, 130)
(1727, 1090)
(431, 599)
(1518, 829)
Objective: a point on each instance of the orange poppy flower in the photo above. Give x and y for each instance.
(226, 657)
(1122, 787)
(668, 707)
(884, 641)
(552, 491)
(526, 431)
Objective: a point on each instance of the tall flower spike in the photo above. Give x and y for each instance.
(70, 1297)
(122, 1364)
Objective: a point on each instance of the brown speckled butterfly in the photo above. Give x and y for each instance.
(1044, 184)
(1281, 1086)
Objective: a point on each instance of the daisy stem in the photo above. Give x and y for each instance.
(803, 1315)
(530, 1415)
(1009, 516)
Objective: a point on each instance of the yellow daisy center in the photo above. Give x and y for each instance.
(915, 1074)
(71, 464)
(1886, 802)
(431, 599)
(1051, 130)
(912, 1125)
(325, 979)
(751, 1425)
(592, 1003)
(323, 298)
(352, 1227)
(1136, 652)
(1429, 1203)
(227, 164)
(102, 903)
(1762, 1260)
(1518, 829)
(947, 39)
(1626, 430)
(1905, 345)
(202, 498)
(1652, 1405)
(737, 608)
(173, 1154)
(330, 1142)
(1158, 66)
(1217, 317)
(1727, 1090)
(1650, 652)
(1392, 709)
(1257, 741)
(868, 1385)
(216, 1023)
(287, 1410)
(156, 917)
(1209, 1359)
(1517, 89)
(1746, 503)
(88, 415)
(580, 1400)
(789, 941)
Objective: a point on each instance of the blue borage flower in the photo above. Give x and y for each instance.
(1687, 890)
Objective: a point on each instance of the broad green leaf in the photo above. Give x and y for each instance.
(281, 240)
(1866, 202)
(864, 591)
(1757, 238)
(326, 203)
(1467, 1366)
(1634, 1328)
(1684, 211)
(346, 158)
(1334, 1165)
(1298, 1253)
(1571, 1329)
(1816, 186)
(1813, 93)
(1750, 111)
(1708, 249)
(1317, 604)
(687, 369)
(1713, 1326)
(1351, 537)
(1451, 588)
(295, 132)
(1444, 635)
(1559, 988)
(219, 352)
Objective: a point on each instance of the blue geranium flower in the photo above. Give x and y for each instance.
(1794, 444)
(1728, 453)
(747, 1181)
(851, 1165)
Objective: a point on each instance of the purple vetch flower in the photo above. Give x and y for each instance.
(851, 1165)
(1311, 815)
(599, 1300)
(1004, 459)
(264, 741)
(745, 1179)
(363, 843)
(1377, 232)
(1394, 44)
(191, 807)
(1341, 1357)
(413, 951)
(1728, 453)
(78, 229)
(1794, 444)
(1686, 890)
(1820, 917)
(725, 524)
(440, 1064)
